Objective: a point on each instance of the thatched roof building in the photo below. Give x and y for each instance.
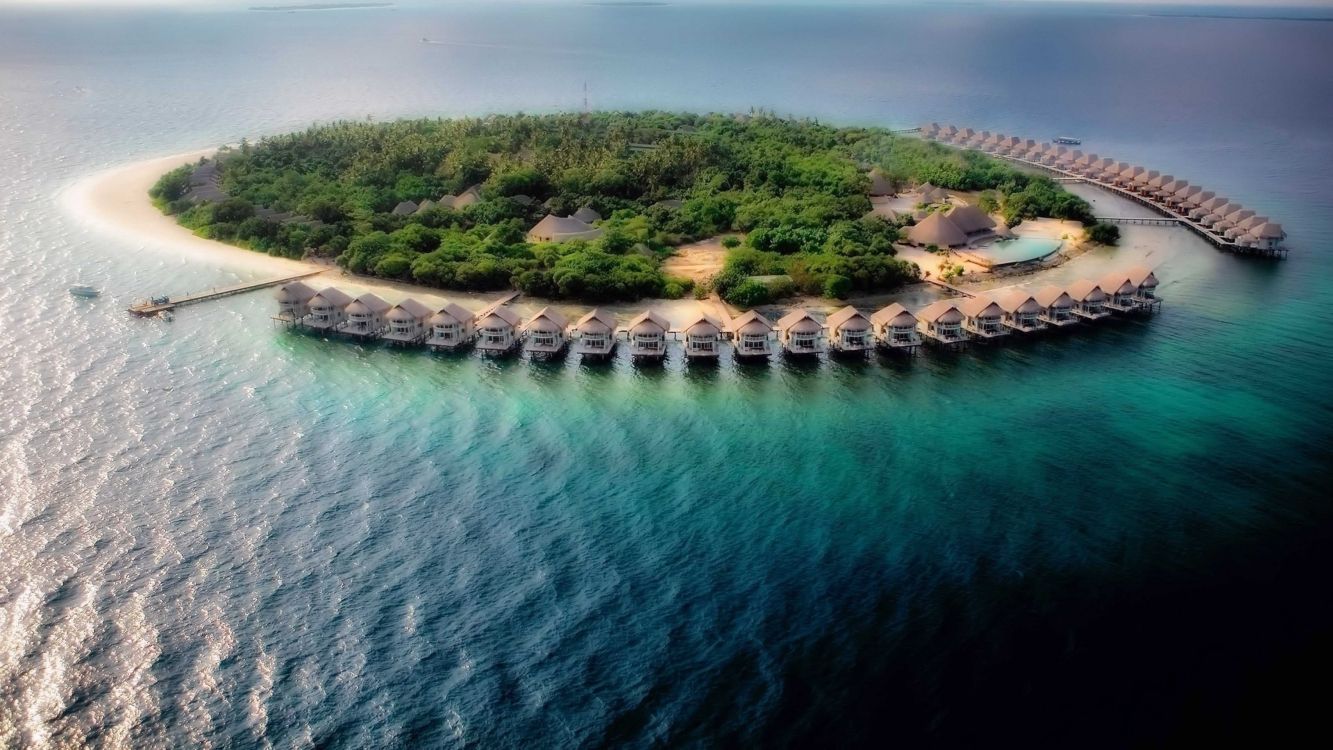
(1057, 307)
(562, 229)
(936, 229)
(452, 325)
(595, 333)
(800, 332)
(971, 220)
(647, 334)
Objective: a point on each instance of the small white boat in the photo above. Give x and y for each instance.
(84, 290)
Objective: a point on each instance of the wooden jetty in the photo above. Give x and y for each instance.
(149, 307)
(1152, 221)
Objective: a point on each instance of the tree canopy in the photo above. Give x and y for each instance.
(796, 188)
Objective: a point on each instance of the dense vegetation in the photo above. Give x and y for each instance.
(796, 190)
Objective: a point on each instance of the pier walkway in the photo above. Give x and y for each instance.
(1152, 221)
(150, 307)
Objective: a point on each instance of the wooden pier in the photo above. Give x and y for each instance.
(1152, 221)
(150, 307)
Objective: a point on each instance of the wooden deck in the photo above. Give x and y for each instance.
(146, 308)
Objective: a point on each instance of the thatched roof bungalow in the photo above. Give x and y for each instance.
(752, 335)
(850, 331)
(407, 322)
(942, 323)
(497, 330)
(703, 337)
(1145, 286)
(1268, 235)
(647, 335)
(1207, 207)
(554, 228)
(595, 334)
(328, 309)
(1021, 310)
(983, 318)
(1057, 307)
(451, 326)
(1120, 291)
(544, 333)
(365, 316)
(294, 300)
(1089, 299)
(879, 184)
(895, 328)
(587, 215)
(405, 208)
(800, 333)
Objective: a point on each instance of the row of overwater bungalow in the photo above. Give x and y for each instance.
(1221, 221)
(499, 330)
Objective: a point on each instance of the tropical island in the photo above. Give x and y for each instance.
(593, 207)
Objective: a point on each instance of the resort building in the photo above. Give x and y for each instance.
(545, 332)
(450, 327)
(1057, 307)
(850, 332)
(647, 335)
(1143, 181)
(595, 334)
(983, 318)
(562, 229)
(930, 194)
(942, 323)
(1145, 287)
(586, 215)
(294, 301)
(1266, 236)
(936, 229)
(972, 221)
(1089, 300)
(800, 333)
(407, 322)
(879, 184)
(328, 310)
(497, 330)
(1183, 197)
(1120, 292)
(1206, 207)
(1021, 310)
(406, 208)
(703, 337)
(462, 200)
(895, 328)
(365, 316)
(752, 335)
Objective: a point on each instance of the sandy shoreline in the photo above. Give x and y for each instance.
(116, 201)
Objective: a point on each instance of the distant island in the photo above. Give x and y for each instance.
(318, 6)
(596, 207)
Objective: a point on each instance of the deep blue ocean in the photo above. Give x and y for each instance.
(217, 533)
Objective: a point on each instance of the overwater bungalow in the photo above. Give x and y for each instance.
(647, 335)
(1022, 312)
(1124, 176)
(1181, 201)
(450, 327)
(703, 337)
(1120, 292)
(544, 333)
(294, 301)
(895, 328)
(1057, 307)
(1217, 215)
(964, 136)
(1089, 300)
(987, 141)
(407, 322)
(752, 335)
(1083, 163)
(942, 323)
(1164, 194)
(1207, 207)
(1267, 236)
(936, 229)
(1143, 183)
(1235, 218)
(328, 310)
(1195, 201)
(973, 222)
(1157, 182)
(930, 130)
(850, 332)
(1034, 153)
(1145, 287)
(947, 133)
(800, 333)
(365, 316)
(595, 334)
(497, 330)
(983, 318)
(554, 228)
(1011, 146)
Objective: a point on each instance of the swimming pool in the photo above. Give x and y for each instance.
(1003, 252)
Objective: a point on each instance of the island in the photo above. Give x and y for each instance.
(615, 206)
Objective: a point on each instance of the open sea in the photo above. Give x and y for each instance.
(216, 533)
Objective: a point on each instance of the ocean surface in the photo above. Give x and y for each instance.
(217, 533)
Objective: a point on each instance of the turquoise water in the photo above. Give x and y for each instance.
(1017, 250)
(218, 533)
